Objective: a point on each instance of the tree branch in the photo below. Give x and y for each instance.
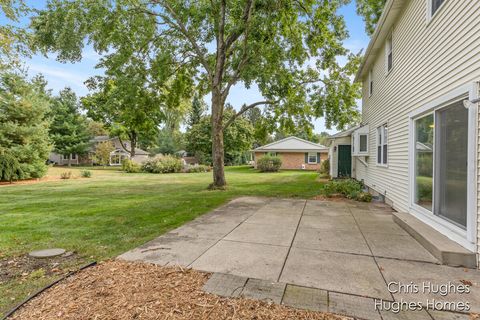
(245, 109)
(247, 12)
(180, 26)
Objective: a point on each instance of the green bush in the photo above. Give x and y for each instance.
(198, 168)
(130, 166)
(349, 188)
(86, 174)
(10, 168)
(424, 188)
(269, 163)
(163, 164)
(325, 167)
(66, 175)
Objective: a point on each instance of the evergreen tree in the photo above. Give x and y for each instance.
(198, 107)
(68, 129)
(23, 124)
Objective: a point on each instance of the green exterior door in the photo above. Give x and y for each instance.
(344, 161)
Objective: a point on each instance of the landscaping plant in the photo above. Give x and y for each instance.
(163, 164)
(349, 188)
(269, 163)
(130, 167)
(66, 175)
(86, 174)
(198, 168)
(325, 167)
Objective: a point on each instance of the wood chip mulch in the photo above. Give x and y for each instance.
(125, 290)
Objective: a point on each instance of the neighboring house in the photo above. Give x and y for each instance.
(295, 153)
(340, 154)
(116, 156)
(420, 73)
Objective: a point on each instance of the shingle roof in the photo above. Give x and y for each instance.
(292, 144)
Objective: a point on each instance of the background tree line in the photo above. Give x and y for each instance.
(156, 55)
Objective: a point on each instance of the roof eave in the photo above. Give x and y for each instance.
(389, 16)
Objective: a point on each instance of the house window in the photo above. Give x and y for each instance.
(389, 54)
(382, 145)
(435, 5)
(272, 154)
(312, 157)
(66, 156)
(370, 83)
(363, 143)
(73, 156)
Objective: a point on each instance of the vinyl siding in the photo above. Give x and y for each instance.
(430, 59)
(334, 154)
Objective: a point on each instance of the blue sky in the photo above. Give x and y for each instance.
(60, 75)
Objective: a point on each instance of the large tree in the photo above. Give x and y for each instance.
(12, 38)
(287, 48)
(238, 138)
(370, 10)
(68, 128)
(23, 123)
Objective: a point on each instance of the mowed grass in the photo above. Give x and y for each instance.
(112, 212)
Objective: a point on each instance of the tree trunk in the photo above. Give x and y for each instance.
(217, 141)
(133, 144)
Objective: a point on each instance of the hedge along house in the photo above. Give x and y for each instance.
(295, 153)
(420, 78)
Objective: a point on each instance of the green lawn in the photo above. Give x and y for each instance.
(113, 212)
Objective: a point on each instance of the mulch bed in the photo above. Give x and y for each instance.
(125, 290)
(23, 266)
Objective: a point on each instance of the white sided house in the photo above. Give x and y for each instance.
(417, 146)
(116, 156)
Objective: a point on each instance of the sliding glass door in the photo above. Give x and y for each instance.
(451, 159)
(440, 163)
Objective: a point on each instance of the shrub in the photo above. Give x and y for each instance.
(349, 188)
(163, 164)
(66, 175)
(325, 167)
(198, 168)
(86, 174)
(424, 188)
(10, 168)
(130, 166)
(269, 163)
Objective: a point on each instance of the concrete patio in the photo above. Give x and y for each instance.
(335, 256)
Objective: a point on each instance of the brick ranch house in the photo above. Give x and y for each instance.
(295, 153)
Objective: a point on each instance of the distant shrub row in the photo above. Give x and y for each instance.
(162, 164)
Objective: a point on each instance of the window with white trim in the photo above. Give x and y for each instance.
(370, 83)
(312, 157)
(66, 157)
(363, 142)
(389, 54)
(360, 141)
(435, 5)
(73, 156)
(382, 145)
